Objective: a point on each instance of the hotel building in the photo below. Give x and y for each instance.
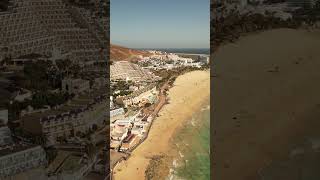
(20, 157)
(78, 115)
(17, 156)
(138, 98)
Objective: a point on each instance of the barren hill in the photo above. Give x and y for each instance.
(119, 53)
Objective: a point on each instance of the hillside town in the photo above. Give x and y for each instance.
(138, 92)
(54, 91)
(231, 19)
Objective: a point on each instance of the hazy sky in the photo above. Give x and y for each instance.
(160, 23)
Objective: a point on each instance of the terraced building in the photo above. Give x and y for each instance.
(45, 26)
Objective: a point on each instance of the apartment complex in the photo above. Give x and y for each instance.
(5, 136)
(19, 157)
(138, 98)
(116, 112)
(77, 116)
(124, 70)
(40, 26)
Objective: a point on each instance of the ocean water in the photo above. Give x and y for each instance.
(192, 144)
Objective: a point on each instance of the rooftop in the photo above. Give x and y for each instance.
(140, 91)
(14, 148)
(75, 106)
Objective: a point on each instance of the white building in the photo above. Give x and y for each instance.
(118, 133)
(75, 86)
(124, 122)
(123, 70)
(78, 115)
(111, 102)
(3, 116)
(204, 59)
(116, 112)
(148, 94)
(19, 157)
(5, 136)
(23, 95)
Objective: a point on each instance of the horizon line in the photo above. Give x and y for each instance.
(159, 47)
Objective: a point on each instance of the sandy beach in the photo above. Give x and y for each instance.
(266, 100)
(188, 93)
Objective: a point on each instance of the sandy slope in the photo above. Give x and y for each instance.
(189, 91)
(259, 113)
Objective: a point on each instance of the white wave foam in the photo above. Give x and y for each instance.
(181, 155)
(175, 163)
(171, 170)
(193, 123)
(205, 108)
(172, 173)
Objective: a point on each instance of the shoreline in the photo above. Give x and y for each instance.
(189, 145)
(158, 145)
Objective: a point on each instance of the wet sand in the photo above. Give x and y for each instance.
(188, 93)
(266, 100)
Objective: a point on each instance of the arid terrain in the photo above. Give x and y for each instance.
(122, 53)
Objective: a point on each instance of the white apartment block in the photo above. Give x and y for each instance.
(5, 136)
(23, 95)
(3, 116)
(78, 115)
(118, 133)
(205, 59)
(75, 86)
(124, 70)
(20, 157)
(116, 112)
(147, 94)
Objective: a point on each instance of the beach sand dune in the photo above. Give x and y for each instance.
(188, 93)
(266, 100)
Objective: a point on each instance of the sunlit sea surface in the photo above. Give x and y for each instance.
(192, 143)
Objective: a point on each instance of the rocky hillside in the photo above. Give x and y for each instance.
(118, 53)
